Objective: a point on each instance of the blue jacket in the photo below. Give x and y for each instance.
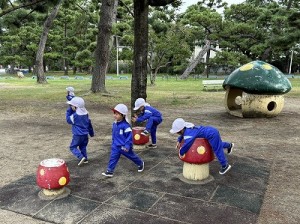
(69, 97)
(122, 135)
(81, 124)
(190, 134)
(147, 113)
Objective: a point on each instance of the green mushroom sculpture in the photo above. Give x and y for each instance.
(255, 90)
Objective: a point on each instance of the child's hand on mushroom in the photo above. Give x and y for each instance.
(133, 119)
(180, 156)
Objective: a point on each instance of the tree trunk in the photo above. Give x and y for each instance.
(139, 76)
(289, 4)
(39, 68)
(266, 54)
(154, 70)
(287, 62)
(154, 76)
(207, 68)
(102, 52)
(65, 64)
(195, 62)
(152, 79)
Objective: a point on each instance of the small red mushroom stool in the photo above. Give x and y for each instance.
(196, 161)
(139, 140)
(52, 176)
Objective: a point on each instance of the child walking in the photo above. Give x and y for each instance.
(144, 112)
(122, 141)
(189, 132)
(78, 117)
(70, 93)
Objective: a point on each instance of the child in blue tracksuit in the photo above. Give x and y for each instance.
(189, 132)
(70, 93)
(78, 117)
(150, 114)
(122, 143)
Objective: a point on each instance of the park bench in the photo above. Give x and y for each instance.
(123, 77)
(109, 77)
(65, 77)
(79, 77)
(213, 84)
(289, 76)
(50, 77)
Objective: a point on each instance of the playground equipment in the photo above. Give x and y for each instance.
(52, 176)
(139, 140)
(255, 90)
(196, 161)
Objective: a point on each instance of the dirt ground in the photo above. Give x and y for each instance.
(34, 131)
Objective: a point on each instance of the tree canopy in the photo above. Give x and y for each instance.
(254, 30)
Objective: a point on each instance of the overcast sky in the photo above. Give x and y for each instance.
(187, 3)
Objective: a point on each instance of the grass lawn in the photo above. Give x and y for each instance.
(169, 92)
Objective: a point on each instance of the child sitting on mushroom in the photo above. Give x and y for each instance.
(189, 132)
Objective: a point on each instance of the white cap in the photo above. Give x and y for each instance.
(70, 89)
(122, 109)
(139, 103)
(180, 124)
(78, 102)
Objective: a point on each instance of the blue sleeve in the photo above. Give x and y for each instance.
(143, 117)
(69, 97)
(91, 129)
(128, 138)
(186, 145)
(69, 113)
(112, 133)
(179, 139)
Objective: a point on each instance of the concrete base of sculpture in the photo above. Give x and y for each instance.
(199, 182)
(47, 194)
(241, 104)
(139, 147)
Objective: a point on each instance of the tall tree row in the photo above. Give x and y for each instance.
(80, 40)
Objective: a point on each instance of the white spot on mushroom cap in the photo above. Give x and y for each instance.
(54, 162)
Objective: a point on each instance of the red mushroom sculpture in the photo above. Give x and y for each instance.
(196, 160)
(139, 140)
(52, 176)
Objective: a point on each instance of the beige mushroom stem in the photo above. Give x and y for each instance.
(195, 171)
(196, 160)
(241, 104)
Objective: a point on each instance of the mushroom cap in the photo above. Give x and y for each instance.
(258, 77)
(199, 153)
(138, 138)
(52, 174)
